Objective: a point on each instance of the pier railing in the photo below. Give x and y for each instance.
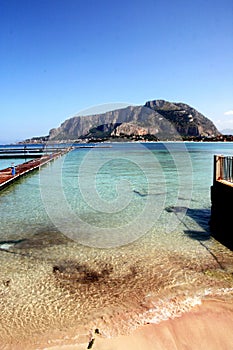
(223, 168)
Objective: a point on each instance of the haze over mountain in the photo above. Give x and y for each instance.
(161, 119)
(227, 131)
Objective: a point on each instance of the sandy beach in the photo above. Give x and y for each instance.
(208, 326)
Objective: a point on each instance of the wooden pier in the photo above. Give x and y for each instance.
(9, 175)
(28, 151)
(221, 223)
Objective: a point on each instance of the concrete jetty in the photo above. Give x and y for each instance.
(221, 200)
(12, 174)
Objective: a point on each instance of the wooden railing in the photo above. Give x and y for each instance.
(223, 168)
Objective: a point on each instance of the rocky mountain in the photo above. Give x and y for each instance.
(161, 119)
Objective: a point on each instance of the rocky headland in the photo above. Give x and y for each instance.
(158, 120)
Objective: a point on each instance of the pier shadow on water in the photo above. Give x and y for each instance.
(202, 218)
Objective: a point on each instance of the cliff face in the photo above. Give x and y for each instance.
(160, 118)
(129, 129)
(187, 120)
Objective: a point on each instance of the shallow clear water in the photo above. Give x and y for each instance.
(6, 163)
(110, 238)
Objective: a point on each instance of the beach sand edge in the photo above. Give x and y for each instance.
(206, 326)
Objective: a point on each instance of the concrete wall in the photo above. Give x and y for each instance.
(221, 223)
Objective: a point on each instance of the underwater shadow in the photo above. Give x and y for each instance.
(197, 235)
(11, 242)
(202, 218)
(7, 244)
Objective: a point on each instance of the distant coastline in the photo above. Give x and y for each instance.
(133, 138)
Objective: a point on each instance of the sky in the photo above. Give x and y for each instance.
(60, 57)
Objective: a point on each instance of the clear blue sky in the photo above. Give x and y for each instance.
(58, 57)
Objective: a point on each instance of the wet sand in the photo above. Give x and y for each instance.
(208, 326)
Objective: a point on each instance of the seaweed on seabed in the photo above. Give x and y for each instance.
(90, 344)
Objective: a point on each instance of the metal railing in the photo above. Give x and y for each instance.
(223, 168)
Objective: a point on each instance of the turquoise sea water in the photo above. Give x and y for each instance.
(6, 163)
(111, 238)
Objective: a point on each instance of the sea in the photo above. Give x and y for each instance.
(109, 237)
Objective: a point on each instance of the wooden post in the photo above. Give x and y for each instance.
(215, 169)
(221, 168)
(218, 163)
(218, 168)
